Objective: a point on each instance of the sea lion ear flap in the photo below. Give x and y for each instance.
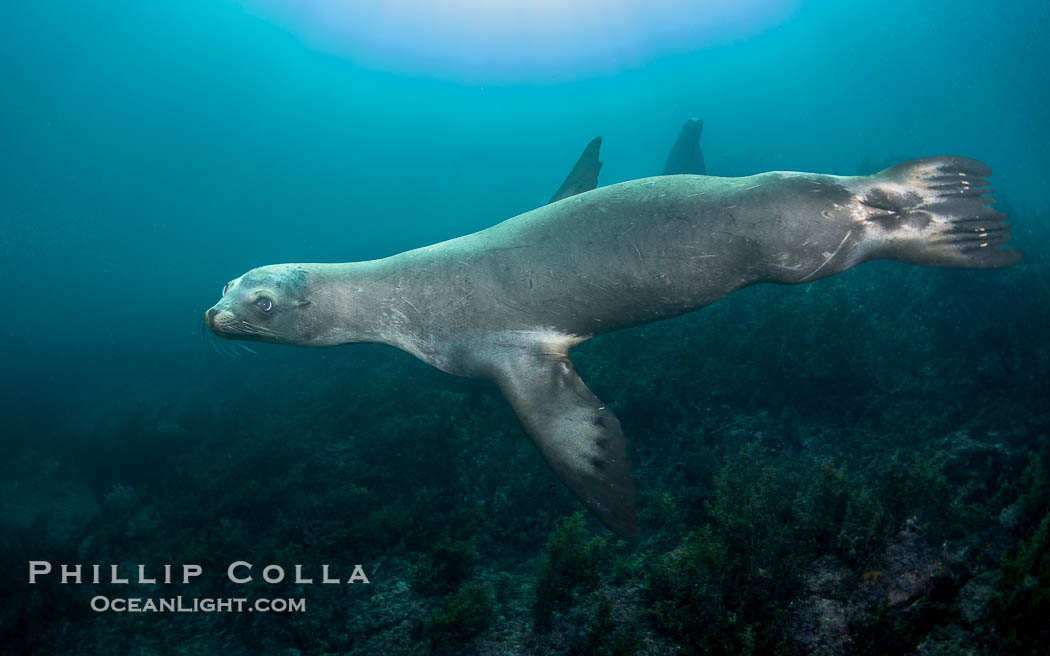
(575, 433)
(584, 176)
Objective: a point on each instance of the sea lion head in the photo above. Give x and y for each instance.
(267, 304)
(693, 127)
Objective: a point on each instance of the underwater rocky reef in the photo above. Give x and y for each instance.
(856, 466)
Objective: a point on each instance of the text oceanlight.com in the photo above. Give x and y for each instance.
(102, 604)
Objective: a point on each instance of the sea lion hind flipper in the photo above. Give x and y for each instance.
(578, 436)
(584, 175)
(936, 212)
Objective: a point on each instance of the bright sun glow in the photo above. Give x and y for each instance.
(518, 40)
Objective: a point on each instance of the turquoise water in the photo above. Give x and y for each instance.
(150, 152)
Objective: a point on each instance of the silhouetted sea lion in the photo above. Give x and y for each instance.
(507, 303)
(685, 155)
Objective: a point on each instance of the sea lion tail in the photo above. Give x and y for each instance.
(935, 212)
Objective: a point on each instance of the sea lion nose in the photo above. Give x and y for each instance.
(209, 317)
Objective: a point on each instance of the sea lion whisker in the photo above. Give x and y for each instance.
(255, 329)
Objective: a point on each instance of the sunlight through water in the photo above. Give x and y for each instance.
(511, 41)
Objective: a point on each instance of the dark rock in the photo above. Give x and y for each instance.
(909, 569)
(964, 455)
(819, 626)
(951, 639)
(818, 623)
(827, 577)
(974, 597)
(831, 617)
(1010, 516)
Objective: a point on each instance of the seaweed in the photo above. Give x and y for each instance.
(461, 616)
(571, 563)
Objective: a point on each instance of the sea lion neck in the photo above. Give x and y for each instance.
(352, 302)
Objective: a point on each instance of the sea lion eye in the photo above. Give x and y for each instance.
(264, 303)
(224, 288)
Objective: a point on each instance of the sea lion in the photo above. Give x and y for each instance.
(509, 302)
(685, 155)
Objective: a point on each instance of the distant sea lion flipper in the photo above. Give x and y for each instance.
(685, 155)
(578, 436)
(584, 176)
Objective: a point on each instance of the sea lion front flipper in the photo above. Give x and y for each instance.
(578, 436)
(584, 176)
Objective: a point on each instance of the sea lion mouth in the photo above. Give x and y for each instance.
(221, 324)
(224, 324)
(211, 320)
